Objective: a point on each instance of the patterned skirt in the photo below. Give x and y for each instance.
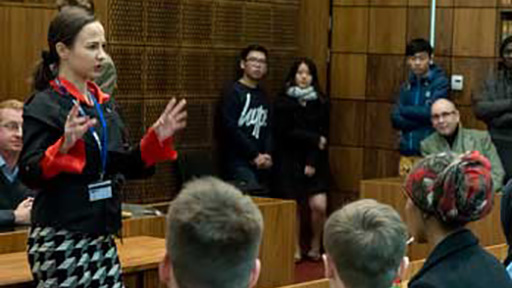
(60, 258)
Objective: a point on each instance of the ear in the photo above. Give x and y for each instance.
(402, 270)
(242, 64)
(255, 273)
(62, 50)
(164, 270)
(328, 266)
(457, 114)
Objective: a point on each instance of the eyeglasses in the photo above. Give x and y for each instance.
(442, 115)
(257, 60)
(12, 126)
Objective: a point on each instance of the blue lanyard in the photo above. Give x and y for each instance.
(102, 143)
(103, 147)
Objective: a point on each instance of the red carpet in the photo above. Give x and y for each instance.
(308, 271)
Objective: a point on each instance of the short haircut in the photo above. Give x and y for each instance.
(417, 46)
(253, 47)
(11, 104)
(86, 4)
(366, 241)
(213, 235)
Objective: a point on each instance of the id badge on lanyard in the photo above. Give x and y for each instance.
(101, 189)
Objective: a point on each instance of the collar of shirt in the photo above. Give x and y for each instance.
(8, 173)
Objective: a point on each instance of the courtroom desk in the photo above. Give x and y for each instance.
(139, 258)
(16, 241)
(388, 191)
(277, 246)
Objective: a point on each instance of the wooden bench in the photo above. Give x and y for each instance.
(388, 191)
(139, 258)
(276, 251)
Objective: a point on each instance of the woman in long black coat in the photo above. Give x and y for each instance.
(301, 128)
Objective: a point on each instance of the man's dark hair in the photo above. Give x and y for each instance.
(253, 47)
(417, 46)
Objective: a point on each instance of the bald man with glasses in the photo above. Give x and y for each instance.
(15, 200)
(451, 136)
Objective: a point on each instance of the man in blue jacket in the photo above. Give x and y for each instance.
(427, 82)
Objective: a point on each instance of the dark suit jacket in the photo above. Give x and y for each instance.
(11, 194)
(458, 261)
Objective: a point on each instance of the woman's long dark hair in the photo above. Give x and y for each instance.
(290, 78)
(64, 28)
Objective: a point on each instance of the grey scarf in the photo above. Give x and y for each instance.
(302, 94)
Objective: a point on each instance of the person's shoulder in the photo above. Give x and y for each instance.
(477, 134)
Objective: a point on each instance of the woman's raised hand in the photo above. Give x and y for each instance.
(172, 120)
(75, 128)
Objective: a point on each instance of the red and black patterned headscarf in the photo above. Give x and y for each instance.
(455, 188)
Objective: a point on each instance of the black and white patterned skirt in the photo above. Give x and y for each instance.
(60, 258)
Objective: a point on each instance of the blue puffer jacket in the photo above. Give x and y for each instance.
(411, 115)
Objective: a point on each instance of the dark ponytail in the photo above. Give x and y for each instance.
(64, 28)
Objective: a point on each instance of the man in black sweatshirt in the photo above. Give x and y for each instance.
(246, 124)
(15, 203)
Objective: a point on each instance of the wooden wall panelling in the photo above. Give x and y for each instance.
(162, 78)
(351, 2)
(418, 26)
(226, 32)
(385, 75)
(348, 75)
(426, 3)
(468, 118)
(126, 21)
(379, 132)
(258, 24)
(445, 63)
(130, 65)
(21, 42)
(475, 72)
(200, 122)
(347, 120)
(350, 29)
(163, 22)
(337, 199)
(197, 23)
(132, 113)
(225, 65)
(380, 163)
(387, 30)
(284, 26)
(313, 35)
(388, 2)
(101, 12)
(163, 185)
(279, 63)
(346, 168)
(196, 73)
(474, 32)
(475, 3)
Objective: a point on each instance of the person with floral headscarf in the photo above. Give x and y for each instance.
(444, 193)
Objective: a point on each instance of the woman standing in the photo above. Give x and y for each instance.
(301, 128)
(74, 154)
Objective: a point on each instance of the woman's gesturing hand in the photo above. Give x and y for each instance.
(173, 119)
(75, 128)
